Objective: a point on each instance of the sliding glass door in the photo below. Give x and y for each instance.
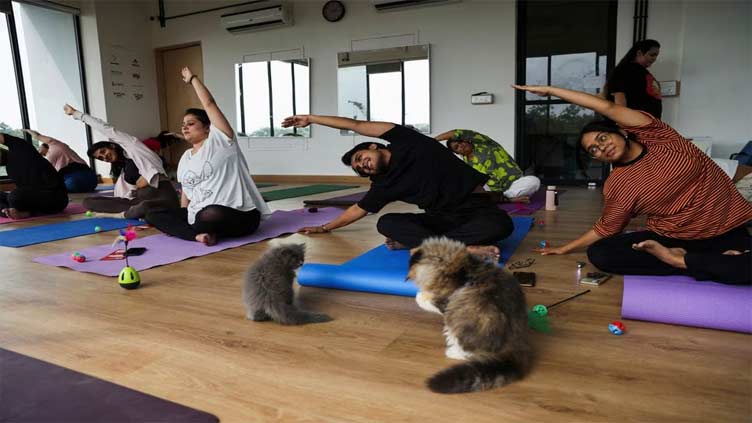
(568, 44)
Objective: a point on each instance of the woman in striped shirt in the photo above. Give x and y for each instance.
(690, 203)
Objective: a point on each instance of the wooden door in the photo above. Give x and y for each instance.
(175, 96)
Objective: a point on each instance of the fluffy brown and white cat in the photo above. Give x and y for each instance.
(485, 317)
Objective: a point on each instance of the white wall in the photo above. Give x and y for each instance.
(706, 46)
(472, 50)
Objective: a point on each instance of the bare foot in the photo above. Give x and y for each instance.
(207, 239)
(15, 213)
(394, 245)
(487, 252)
(671, 256)
(733, 253)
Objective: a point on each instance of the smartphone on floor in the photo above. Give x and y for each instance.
(525, 278)
(595, 278)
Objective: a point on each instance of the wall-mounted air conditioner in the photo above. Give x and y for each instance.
(258, 18)
(388, 5)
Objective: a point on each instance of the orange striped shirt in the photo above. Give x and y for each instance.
(683, 193)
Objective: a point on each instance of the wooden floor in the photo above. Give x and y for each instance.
(183, 337)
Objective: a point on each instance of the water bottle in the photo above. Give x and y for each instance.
(551, 197)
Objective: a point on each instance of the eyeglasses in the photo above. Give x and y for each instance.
(597, 149)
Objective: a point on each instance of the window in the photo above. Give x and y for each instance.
(268, 92)
(551, 53)
(390, 85)
(39, 51)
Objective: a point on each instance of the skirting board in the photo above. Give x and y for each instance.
(318, 179)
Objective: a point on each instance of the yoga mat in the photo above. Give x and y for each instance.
(71, 209)
(344, 200)
(383, 271)
(682, 300)
(57, 231)
(32, 390)
(163, 249)
(265, 185)
(104, 188)
(281, 194)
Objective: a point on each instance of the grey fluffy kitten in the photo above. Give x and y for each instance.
(268, 288)
(485, 317)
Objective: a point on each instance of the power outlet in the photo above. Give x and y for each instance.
(482, 98)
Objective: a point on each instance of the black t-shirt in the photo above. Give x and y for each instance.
(29, 169)
(131, 172)
(639, 86)
(423, 172)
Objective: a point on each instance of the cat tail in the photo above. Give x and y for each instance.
(475, 376)
(287, 314)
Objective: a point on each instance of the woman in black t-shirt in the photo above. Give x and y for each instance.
(632, 85)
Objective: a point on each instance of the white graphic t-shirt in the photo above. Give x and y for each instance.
(218, 174)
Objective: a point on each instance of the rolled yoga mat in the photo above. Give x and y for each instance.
(57, 231)
(383, 271)
(281, 194)
(71, 209)
(682, 300)
(163, 249)
(36, 391)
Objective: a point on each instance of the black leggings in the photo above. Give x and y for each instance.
(39, 188)
(705, 259)
(147, 199)
(476, 222)
(224, 222)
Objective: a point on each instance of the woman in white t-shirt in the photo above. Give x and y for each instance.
(219, 196)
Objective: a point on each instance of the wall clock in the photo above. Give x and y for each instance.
(333, 10)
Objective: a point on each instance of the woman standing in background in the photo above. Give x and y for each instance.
(632, 85)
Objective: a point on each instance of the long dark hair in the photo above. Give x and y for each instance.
(643, 46)
(116, 167)
(200, 114)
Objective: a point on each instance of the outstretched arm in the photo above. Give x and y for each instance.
(216, 116)
(352, 214)
(445, 136)
(125, 140)
(623, 116)
(362, 127)
(41, 137)
(586, 240)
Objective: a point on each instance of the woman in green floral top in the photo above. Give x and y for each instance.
(506, 181)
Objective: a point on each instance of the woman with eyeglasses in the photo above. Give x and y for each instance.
(690, 203)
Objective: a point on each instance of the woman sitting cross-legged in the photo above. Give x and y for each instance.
(141, 182)
(219, 196)
(690, 203)
(78, 176)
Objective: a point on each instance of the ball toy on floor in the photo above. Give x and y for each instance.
(543, 244)
(78, 257)
(617, 328)
(89, 213)
(97, 229)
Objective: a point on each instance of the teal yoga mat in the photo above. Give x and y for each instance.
(383, 271)
(57, 231)
(281, 194)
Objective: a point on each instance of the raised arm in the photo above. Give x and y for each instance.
(362, 127)
(623, 116)
(217, 118)
(125, 140)
(445, 136)
(41, 137)
(352, 214)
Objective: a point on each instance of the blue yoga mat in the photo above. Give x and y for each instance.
(64, 230)
(105, 188)
(383, 271)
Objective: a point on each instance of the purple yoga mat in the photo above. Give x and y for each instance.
(682, 300)
(34, 391)
(71, 209)
(163, 249)
(342, 200)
